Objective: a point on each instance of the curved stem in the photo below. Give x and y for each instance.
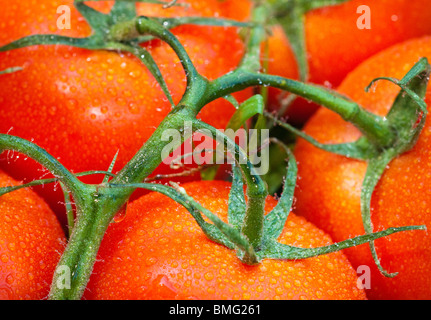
(374, 127)
(8, 142)
(282, 251)
(76, 263)
(4, 190)
(145, 25)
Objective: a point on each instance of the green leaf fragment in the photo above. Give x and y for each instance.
(231, 99)
(246, 110)
(10, 70)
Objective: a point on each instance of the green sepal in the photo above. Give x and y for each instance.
(246, 110)
(275, 220)
(147, 59)
(111, 168)
(92, 43)
(275, 250)
(212, 231)
(232, 100)
(10, 70)
(8, 189)
(69, 209)
(122, 11)
(360, 149)
(98, 21)
(237, 204)
(230, 232)
(170, 23)
(403, 115)
(375, 169)
(409, 105)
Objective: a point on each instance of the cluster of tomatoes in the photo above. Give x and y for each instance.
(82, 106)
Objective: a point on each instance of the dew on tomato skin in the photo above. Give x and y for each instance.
(6, 293)
(151, 261)
(10, 279)
(11, 246)
(121, 214)
(4, 258)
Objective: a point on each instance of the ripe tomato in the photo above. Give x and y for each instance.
(158, 252)
(31, 241)
(81, 105)
(335, 44)
(329, 187)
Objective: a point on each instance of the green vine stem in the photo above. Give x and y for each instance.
(8, 142)
(256, 191)
(374, 127)
(97, 205)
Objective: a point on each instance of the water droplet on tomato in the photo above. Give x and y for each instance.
(9, 279)
(209, 276)
(4, 258)
(6, 293)
(133, 108)
(161, 286)
(121, 214)
(151, 261)
(11, 246)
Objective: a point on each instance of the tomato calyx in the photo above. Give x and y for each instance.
(232, 233)
(405, 119)
(116, 31)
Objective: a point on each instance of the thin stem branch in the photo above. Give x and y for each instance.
(8, 142)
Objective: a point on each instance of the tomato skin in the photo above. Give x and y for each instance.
(158, 252)
(328, 192)
(31, 241)
(335, 44)
(83, 106)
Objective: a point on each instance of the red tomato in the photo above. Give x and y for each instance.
(31, 242)
(335, 44)
(81, 105)
(329, 187)
(158, 252)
